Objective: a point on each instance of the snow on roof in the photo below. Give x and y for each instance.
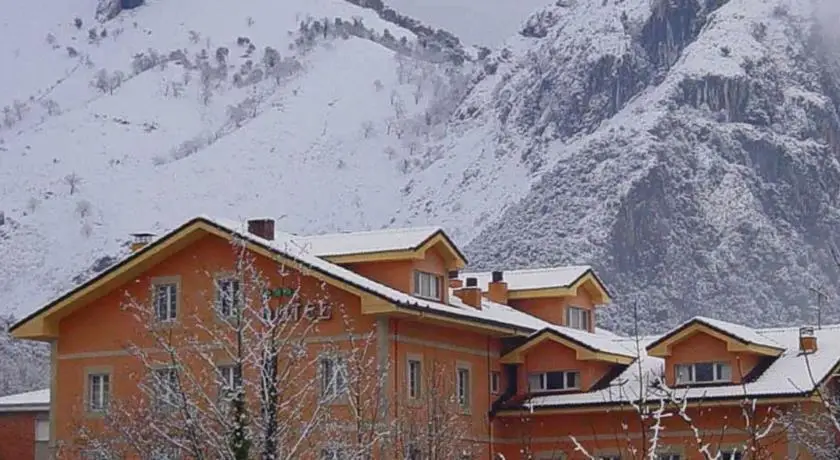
(787, 375)
(334, 244)
(538, 278)
(31, 401)
(503, 313)
(738, 331)
(492, 312)
(302, 255)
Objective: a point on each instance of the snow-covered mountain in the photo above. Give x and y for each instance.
(687, 148)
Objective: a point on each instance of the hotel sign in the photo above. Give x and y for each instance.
(295, 311)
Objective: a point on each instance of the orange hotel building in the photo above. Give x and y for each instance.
(533, 374)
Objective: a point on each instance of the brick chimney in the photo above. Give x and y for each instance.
(470, 294)
(807, 340)
(263, 228)
(498, 288)
(140, 240)
(454, 281)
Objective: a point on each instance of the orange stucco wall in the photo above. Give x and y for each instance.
(553, 309)
(400, 274)
(552, 356)
(443, 349)
(699, 348)
(96, 337)
(619, 432)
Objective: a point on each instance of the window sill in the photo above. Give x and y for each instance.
(98, 414)
(557, 391)
(426, 297)
(164, 324)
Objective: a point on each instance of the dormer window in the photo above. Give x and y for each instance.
(427, 285)
(577, 318)
(703, 373)
(550, 381)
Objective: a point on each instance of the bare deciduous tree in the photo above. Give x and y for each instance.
(73, 180)
(249, 378)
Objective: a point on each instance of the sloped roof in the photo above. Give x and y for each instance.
(738, 332)
(786, 376)
(599, 341)
(33, 401)
(539, 278)
(286, 246)
(334, 244)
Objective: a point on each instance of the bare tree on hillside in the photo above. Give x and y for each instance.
(73, 181)
(238, 382)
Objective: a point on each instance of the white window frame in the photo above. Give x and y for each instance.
(333, 376)
(231, 378)
(686, 374)
(166, 301)
(577, 318)
(166, 387)
(463, 386)
(731, 454)
(495, 382)
(334, 453)
(427, 285)
(99, 391)
(414, 377)
(227, 303)
(538, 381)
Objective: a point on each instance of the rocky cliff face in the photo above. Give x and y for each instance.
(694, 157)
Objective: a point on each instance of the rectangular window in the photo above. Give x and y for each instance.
(164, 453)
(228, 296)
(166, 301)
(96, 454)
(231, 378)
(577, 318)
(731, 455)
(703, 373)
(415, 372)
(558, 380)
(166, 387)
(334, 453)
(609, 457)
(495, 382)
(426, 285)
(462, 387)
(668, 456)
(99, 392)
(333, 377)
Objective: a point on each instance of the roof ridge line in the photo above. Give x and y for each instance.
(360, 232)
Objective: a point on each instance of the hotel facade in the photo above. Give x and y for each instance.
(505, 364)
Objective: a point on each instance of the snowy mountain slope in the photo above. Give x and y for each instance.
(686, 148)
(151, 150)
(699, 171)
(486, 23)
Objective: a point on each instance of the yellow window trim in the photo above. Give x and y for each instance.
(517, 356)
(588, 282)
(733, 344)
(450, 254)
